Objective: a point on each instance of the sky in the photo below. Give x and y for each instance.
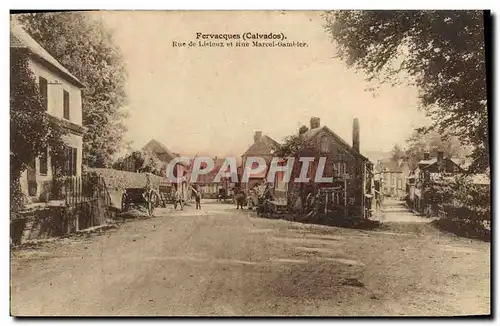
(210, 100)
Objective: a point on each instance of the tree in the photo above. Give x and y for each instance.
(293, 144)
(142, 161)
(442, 52)
(85, 47)
(397, 153)
(31, 130)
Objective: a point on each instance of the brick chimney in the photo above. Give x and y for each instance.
(257, 136)
(315, 122)
(303, 129)
(427, 155)
(355, 134)
(440, 159)
(440, 156)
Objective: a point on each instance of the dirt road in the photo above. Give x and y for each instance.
(220, 261)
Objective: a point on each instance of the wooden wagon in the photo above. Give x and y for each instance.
(168, 196)
(138, 197)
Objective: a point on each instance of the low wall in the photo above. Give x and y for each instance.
(55, 220)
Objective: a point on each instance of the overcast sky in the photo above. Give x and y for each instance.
(211, 100)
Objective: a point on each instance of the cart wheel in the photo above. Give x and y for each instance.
(150, 207)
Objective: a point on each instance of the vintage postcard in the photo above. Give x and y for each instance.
(250, 163)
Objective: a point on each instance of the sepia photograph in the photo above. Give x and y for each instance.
(273, 163)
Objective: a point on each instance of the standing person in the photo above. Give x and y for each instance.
(197, 197)
(240, 199)
(253, 198)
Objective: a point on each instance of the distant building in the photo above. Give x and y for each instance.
(208, 184)
(161, 151)
(263, 146)
(154, 152)
(429, 170)
(393, 176)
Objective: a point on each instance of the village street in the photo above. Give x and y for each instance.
(220, 261)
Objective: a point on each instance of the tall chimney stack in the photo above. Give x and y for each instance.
(427, 155)
(355, 134)
(440, 156)
(440, 159)
(257, 136)
(315, 122)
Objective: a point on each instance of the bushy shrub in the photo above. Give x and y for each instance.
(438, 192)
(468, 212)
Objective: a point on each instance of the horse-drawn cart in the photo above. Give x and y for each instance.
(168, 195)
(138, 197)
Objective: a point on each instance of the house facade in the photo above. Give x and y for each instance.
(263, 146)
(428, 171)
(207, 184)
(393, 175)
(61, 94)
(350, 191)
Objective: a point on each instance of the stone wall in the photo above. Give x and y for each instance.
(53, 220)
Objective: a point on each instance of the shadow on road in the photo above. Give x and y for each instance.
(463, 228)
(360, 224)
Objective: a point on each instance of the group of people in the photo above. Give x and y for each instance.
(256, 193)
(241, 199)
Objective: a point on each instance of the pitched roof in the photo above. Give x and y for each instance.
(312, 133)
(390, 164)
(427, 163)
(262, 147)
(22, 40)
(158, 148)
(480, 179)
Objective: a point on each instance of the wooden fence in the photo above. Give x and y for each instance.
(88, 199)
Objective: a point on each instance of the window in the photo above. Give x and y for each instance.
(44, 162)
(340, 168)
(324, 144)
(400, 184)
(42, 84)
(393, 180)
(71, 159)
(66, 105)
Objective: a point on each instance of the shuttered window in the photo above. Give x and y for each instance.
(42, 84)
(71, 161)
(44, 162)
(66, 105)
